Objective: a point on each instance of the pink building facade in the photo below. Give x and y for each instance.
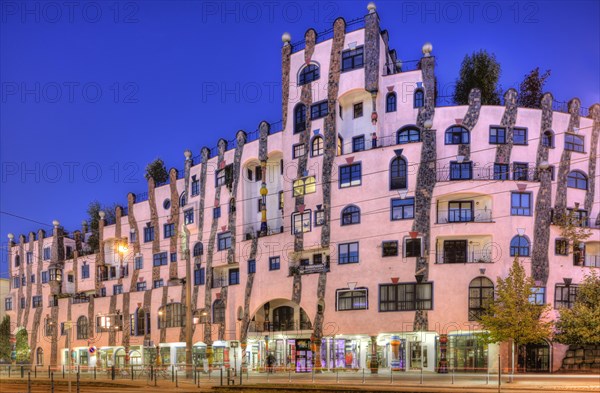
(366, 229)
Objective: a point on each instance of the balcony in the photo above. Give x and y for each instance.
(459, 257)
(286, 326)
(107, 273)
(308, 269)
(270, 231)
(591, 261)
(472, 249)
(219, 282)
(460, 216)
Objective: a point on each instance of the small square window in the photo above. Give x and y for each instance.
(251, 266)
(224, 241)
(350, 175)
(520, 204)
(520, 171)
(501, 172)
(234, 276)
(519, 136)
(140, 286)
(403, 209)
(348, 253)
(319, 218)
(217, 212)
(299, 150)
(412, 248)
(159, 283)
(461, 170)
(318, 110)
(358, 110)
(389, 248)
(497, 135)
(561, 246)
(274, 263)
(358, 143)
(574, 142)
(169, 230)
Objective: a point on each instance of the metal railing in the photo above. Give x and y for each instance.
(287, 326)
(308, 269)
(353, 25)
(468, 257)
(451, 216)
(401, 66)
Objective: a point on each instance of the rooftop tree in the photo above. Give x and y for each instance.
(480, 70)
(157, 170)
(532, 88)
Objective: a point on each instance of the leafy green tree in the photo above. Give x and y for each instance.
(511, 316)
(157, 170)
(93, 211)
(480, 70)
(532, 88)
(581, 324)
(22, 346)
(5, 347)
(573, 229)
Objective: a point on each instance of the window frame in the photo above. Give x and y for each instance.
(391, 102)
(575, 144)
(385, 244)
(410, 132)
(410, 290)
(352, 56)
(298, 150)
(476, 302)
(419, 98)
(351, 175)
(515, 210)
(302, 218)
(299, 118)
(353, 299)
(358, 110)
(523, 141)
(575, 177)
(515, 250)
(274, 263)
(358, 143)
(453, 131)
(224, 241)
(403, 205)
(319, 110)
(497, 135)
(160, 259)
(406, 248)
(309, 73)
(354, 215)
(348, 257)
(319, 150)
(461, 170)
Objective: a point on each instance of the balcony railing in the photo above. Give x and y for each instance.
(308, 269)
(461, 216)
(119, 272)
(270, 231)
(220, 282)
(467, 257)
(401, 66)
(287, 326)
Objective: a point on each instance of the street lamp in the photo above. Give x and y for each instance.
(234, 345)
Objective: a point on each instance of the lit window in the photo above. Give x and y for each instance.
(304, 186)
(301, 222)
(317, 147)
(356, 299)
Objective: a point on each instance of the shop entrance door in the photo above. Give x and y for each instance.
(303, 356)
(416, 354)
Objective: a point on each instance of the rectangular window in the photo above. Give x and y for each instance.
(350, 175)
(173, 257)
(461, 170)
(224, 176)
(22, 303)
(497, 135)
(117, 289)
(389, 248)
(148, 234)
(47, 253)
(140, 286)
(133, 236)
(188, 216)
(102, 294)
(44, 277)
(29, 257)
(564, 296)
(258, 171)
(347, 299)
(403, 209)
(195, 187)
(520, 171)
(16, 282)
(138, 262)
(578, 218)
(70, 278)
(304, 186)
(169, 230)
(251, 266)
(234, 276)
(317, 259)
(405, 297)
(249, 174)
(358, 143)
(318, 110)
(319, 218)
(574, 142)
(36, 301)
(501, 172)
(274, 263)
(348, 253)
(358, 110)
(520, 203)
(158, 283)
(412, 248)
(460, 211)
(519, 136)
(199, 276)
(159, 259)
(301, 222)
(23, 280)
(538, 295)
(352, 59)
(299, 150)
(224, 241)
(85, 271)
(33, 279)
(281, 199)
(561, 246)
(8, 303)
(455, 251)
(216, 212)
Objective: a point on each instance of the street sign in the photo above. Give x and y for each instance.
(92, 350)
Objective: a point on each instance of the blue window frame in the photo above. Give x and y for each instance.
(173, 257)
(85, 271)
(457, 135)
(398, 174)
(520, 204)
(408, 135)
(195, 187)
(299, 118)
(234, 276)
(22, 302)
(44, 277)
(403, 209)
(574, 142)
(169, 230)
(159, 259)
(224, 241)
(461, 170)
(318, 110)
(520, 171)
(390, 102)
(117, 289)
(140, 286)
(217, 212)
(159, 283)
(419, 98)
(47, 253)
(148, 234)
(36, 301)
(577, 179)
(353, 59)
(274, 263)
(501, 172)
(497, 135)
(350, 215)
(519, 136)
(348, 253)
(138, 262)
(308, 74)
(358, 143)
(350, 175)
(251, 266)
(519, 246)
(199, 276)
(188, 216)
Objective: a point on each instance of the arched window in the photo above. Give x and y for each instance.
(577, 179)
(390, 102)
(481, 292)
(519, 246)
(140, 322)
(171, 315)
(198, 249)
(398, 174)
(457, 135)
(350, 215)
(182, 199)
(219, 311)
(17, 260)
(304, 186)
(317, 147)
(82, 328)
(548, 138)
(299, 118)
(283, 318)
(419, 98)
(308, 74)
(408, 135)
(39, 356)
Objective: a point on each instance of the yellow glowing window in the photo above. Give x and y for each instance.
(304, 186)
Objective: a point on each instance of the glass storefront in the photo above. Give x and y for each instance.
(536, 357)
(467, 353)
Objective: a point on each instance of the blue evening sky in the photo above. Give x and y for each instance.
(91, 92)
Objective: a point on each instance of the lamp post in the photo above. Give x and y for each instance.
(234, 345)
